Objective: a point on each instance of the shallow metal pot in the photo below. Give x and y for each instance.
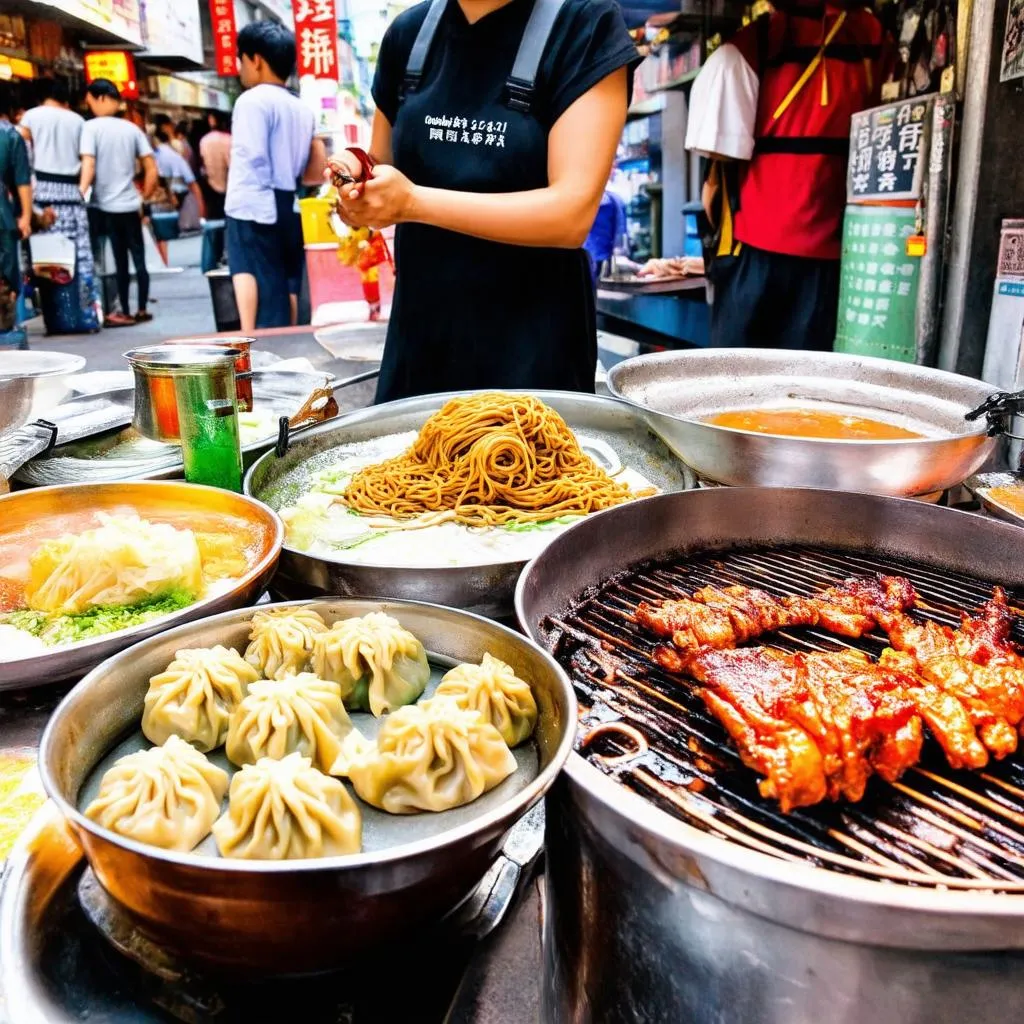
(484, 589)
(297, 916)
(32, 383)
(678, 391)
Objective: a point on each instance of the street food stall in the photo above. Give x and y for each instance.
(582, 599)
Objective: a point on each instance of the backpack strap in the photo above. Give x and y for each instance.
(522, 83)
(421, 49)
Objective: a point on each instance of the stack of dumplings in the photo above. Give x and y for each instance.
(280, 713)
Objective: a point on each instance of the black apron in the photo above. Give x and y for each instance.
(468, 313)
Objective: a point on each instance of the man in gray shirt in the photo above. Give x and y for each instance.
(110, 148)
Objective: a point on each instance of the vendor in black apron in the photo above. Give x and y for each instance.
(497, 124)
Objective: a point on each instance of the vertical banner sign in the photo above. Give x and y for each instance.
(878, 284)
(225, 37)
(316, 38)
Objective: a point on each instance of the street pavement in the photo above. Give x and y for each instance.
(180, 305)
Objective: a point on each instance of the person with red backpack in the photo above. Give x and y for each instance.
(771, 111)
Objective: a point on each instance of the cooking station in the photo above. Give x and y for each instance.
(665, 885)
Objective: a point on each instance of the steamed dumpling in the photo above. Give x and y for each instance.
(493, 689)
(122, 561)
(430, 757)
(299, 714)
(194, 697)
(287, 810)
(167, 796)
(379, 665)
(281, 639)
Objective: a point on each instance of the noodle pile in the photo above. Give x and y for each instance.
(488, 460)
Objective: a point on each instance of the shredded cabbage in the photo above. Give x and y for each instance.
(121, 562)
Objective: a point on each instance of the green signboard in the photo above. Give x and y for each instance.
(878, 284)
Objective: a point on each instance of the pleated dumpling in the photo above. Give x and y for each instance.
(430, 757)
(298, 714)
(195, 696)
(287, 810)
(493, 689)
(379, 664)
(167, 796)
(281, 639)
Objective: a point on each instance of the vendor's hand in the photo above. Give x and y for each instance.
(384, 200)
(25, 224)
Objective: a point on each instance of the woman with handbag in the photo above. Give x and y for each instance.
(70, 301)
(496, 127)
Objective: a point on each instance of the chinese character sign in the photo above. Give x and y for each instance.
(316, 38)
(889, 151)
(878, 284)
(225, 37)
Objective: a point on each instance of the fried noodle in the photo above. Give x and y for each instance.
(488, 460)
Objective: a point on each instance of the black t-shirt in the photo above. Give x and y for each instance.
(470, 313)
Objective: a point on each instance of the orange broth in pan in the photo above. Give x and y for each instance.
(820, 423)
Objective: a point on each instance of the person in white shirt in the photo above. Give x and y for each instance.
(54, 132)
(111, 146)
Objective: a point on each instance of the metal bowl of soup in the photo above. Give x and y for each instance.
(767, 418)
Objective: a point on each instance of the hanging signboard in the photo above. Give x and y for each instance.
(116, 66)
(171, 28)
(878, 284)
(316, 39)
(1012, 63)
(225, 37)
(888, 151)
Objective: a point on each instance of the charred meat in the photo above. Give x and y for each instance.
(816, 726)
(725, 617)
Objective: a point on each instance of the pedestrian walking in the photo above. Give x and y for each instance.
(272, 149)
(54, 133)
(15, 210)
(215, 156)
(111, 145)
(176, 171)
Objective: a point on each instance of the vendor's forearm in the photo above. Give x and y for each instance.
(546, 217)
(88, 173)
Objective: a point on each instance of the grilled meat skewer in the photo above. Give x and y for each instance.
(725, 617)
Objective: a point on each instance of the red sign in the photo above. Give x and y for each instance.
(116, 66)
(225, 37)
(316, 38)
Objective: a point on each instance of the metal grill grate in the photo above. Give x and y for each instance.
(652, 733)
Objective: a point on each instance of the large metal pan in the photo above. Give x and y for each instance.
(156, 500)
(31, 383)
(704, 929)
(301, 916)
(484, 589)
(678, 391)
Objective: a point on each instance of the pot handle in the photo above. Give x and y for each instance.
(285, 430)
(489, 903)
(24, 444)
(998, 409)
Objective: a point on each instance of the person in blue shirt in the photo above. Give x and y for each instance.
(15, 207)
(607, 235)
(273, 149)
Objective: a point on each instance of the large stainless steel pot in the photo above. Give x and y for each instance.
(650, 919)
(484, 589)
(300, 916)
(678, 391)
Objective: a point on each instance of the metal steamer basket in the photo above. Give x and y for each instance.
(679, 391)
(295, 917)
(613, 428)
(675, 892)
